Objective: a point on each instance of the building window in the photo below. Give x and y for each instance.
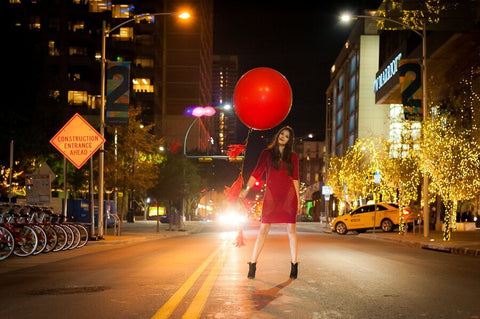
(339, 134)
(352, 104)
(353, 65)
(54, 95)
(77, 26)
(351, 124)
(120, 11)
(124, 34)
(77, 98)
(142, 85)
(402, 133)
(144, 62)
(99, 5)
(339, 101)
(35, 23)
(94, 102)
(52, 49)
(352, 85)
(351, 140)
(82, 51)
(338, 150)
(340, 83)
(74, 77)
(339, 117)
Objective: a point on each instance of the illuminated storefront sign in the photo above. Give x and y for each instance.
(386, 73)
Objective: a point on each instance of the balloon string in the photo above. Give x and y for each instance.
(245, 151)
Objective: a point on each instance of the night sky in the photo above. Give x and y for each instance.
(299, 39)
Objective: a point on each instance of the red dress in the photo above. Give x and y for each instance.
(280, 203)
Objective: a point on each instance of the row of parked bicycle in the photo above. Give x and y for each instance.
(31, 230)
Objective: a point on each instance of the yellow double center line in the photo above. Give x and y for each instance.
(196, 307)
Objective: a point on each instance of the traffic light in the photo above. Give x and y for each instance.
(258, 184)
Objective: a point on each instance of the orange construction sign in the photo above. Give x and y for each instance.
(77, 140)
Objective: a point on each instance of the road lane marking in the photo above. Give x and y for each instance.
(172, 303)
(196, 307)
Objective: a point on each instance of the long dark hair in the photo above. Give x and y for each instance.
(286, 157)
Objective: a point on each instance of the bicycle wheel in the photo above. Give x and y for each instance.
(83, 235)
(7, 243)
(26, 241)
(61, 238)
(42, 239)
(70, 236)
(76, 236)
(51, 238)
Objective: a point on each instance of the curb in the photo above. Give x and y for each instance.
(137, 237)
(444, 248)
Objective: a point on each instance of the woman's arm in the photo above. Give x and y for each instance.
(295, 176)
(250, 183)
(256, 174)
(297, 190)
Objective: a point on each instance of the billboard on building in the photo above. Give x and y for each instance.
(410, 75)
(118, 93)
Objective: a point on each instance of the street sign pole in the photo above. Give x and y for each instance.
(77, 141)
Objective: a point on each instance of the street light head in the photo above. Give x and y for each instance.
(347, 17)
(184, 15)
(199, 111)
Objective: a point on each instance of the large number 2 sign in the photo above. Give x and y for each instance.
(118, 93)
(409, 72)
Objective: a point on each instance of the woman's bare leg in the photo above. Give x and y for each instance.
(262, 234)
(292, 236)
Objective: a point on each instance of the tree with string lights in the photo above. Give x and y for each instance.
(452, 161)
(401, 172)
(351, 176)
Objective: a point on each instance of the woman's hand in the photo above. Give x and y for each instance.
(244, 192)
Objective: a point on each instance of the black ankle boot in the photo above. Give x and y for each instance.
(252, 267)
(294, 271)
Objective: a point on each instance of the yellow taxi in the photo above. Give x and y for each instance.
(383, 216)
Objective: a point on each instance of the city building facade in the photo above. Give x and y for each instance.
(453, 48)
(225, 76)
(56, 53)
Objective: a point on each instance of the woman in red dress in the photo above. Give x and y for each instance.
(281, 199)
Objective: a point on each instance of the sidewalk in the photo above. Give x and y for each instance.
(145, 230)
(462, 242)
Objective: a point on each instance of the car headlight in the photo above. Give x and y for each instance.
(232, 218)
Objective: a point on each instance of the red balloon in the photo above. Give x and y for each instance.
(262, 98)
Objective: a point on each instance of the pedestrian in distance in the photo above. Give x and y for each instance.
(281, 200)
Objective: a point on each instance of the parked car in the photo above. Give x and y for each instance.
(386, 216)
(164, 219)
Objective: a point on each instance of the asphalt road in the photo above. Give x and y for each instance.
(203, 275)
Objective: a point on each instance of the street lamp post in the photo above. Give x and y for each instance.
(101, 160)
(423, 35)
(203, 111)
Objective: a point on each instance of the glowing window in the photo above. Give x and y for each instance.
(99, 5)
(78, 26)
(142, 85)
(125, 33)
(52, 49)
(35, 23)
(77, 97)
(121, 11)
